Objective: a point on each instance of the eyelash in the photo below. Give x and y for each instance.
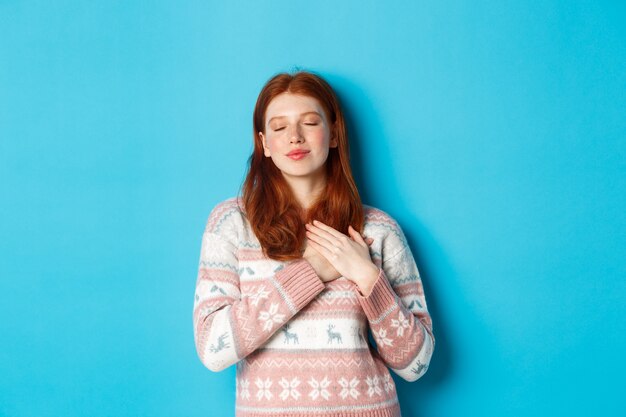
(308, 124)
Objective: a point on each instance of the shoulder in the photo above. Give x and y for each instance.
(377, 219)
(226, 217)
(382, 227)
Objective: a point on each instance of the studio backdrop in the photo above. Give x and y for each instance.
(493, 132)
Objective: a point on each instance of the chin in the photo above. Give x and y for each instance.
(304, 172)
(296, 173)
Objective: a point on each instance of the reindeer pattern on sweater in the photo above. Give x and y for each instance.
(300, 344)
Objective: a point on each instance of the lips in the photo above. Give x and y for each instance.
(297, 154)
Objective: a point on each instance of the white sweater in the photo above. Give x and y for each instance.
(300, 345)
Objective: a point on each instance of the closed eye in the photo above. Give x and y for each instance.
(279, 128)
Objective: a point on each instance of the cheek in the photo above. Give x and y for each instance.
(273, 143)
(321, 138)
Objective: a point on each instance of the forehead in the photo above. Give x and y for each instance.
(288, 104)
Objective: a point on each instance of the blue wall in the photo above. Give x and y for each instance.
(494, 132)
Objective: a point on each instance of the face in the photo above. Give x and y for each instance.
(297, 135)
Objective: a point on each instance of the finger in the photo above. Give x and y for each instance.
(369, 241)
(356, 236)
(328, 229)
(320, 236)
(333, 238)
(320, 241)
(323, 251)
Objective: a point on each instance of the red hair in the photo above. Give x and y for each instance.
(275, 215)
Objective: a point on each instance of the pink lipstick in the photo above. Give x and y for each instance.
(297, 154)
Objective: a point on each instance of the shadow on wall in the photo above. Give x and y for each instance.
(413, 396)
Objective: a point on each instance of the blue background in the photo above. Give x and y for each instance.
(494, 132)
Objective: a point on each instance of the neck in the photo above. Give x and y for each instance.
(307, 189)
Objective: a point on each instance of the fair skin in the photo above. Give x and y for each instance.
(297, 122)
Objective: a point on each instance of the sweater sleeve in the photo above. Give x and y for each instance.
(401, 326)
(229, 326)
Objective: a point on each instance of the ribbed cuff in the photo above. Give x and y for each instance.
(380, 299)
(300, 282)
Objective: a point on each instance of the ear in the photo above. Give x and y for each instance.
(266, 150)
(333, 138)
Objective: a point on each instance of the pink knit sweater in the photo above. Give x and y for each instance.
(300, 345)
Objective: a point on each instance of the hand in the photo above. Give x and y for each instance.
(322, 267)
(348, 255)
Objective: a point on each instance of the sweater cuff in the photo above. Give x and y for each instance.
(380, 299)
(300, 282)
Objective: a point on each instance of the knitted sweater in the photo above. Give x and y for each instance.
(301, 345)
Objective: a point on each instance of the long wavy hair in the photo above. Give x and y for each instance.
(270, 206)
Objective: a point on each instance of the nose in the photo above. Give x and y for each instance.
(295, 135)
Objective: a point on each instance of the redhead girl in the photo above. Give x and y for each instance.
(296, 272)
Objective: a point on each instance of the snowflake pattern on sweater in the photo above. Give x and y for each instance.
(298, 343)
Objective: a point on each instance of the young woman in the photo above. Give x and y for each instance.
(295, 271)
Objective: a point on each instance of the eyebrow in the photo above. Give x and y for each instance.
(301, 114)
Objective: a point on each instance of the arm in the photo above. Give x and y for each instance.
(401, 328)
(229, 326)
